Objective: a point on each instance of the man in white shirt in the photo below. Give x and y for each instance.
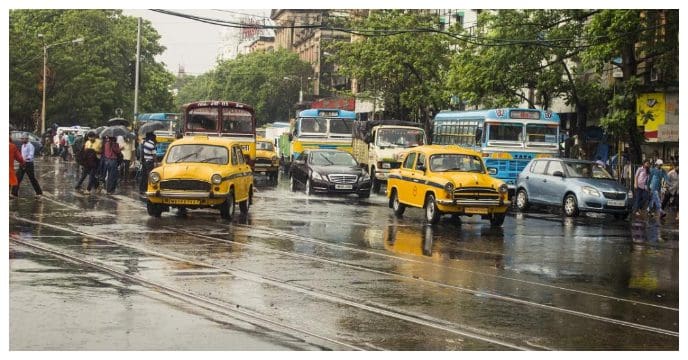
(27, 151)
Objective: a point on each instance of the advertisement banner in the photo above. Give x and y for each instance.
(650, 108)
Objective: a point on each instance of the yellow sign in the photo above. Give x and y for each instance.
(651, 109)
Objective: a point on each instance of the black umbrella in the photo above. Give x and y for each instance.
(151, 126)
(114, 131)
(118, 121)
(99, 130)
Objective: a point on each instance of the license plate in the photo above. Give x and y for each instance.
(482, 211)
(181, 201)
(343, 187)
(616, 203)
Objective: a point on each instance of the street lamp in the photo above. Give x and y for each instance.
(300, 86)
(45, 71)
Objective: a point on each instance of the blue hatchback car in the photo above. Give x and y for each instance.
(575, 185)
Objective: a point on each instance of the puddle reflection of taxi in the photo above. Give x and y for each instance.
(447, 180)
(267, 162)
(201, 172)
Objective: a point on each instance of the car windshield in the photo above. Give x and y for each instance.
(264, 145)
(456, 162)
(399, 137)
(197, 153)
(325, 158)
(586, 170)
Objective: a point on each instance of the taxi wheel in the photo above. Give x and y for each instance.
(570, 205)
(227, 207)
(522, 200)
(432, 214)
(396, 205)
(244, 205)
(497, 219)
(154, 210)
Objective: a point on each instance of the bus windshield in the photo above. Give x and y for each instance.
(399, 137)
(505, 132)
(341, 126)
(313, 125)
(236, 121)
(541, 133)
(202, 119)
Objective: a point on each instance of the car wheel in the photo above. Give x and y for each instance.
(227, 207)
(292, 183)
(497, 219)
(375, 183)
(570, 205)
(396, 205)
(154, 210)
(522, 200)
(432, 214)
(244, 205)
(309, 189)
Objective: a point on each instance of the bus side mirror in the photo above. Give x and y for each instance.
(478, 135)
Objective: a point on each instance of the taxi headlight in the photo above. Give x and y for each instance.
(503, 189)
(449, 188)
(216, 179)
(154, 177)
(590, 191)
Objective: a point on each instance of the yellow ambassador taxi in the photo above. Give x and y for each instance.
(201, 172)
(267, 162)
(447, 180)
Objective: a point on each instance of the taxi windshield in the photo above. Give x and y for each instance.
(197, 153)
(264, 145)
(456, 162)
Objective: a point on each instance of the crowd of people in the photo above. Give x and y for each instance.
(106, 161)
(655, 190)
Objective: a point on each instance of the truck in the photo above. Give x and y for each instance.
(378, 145)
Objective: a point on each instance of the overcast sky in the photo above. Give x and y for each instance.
(195, 45)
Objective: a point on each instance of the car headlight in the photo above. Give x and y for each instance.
(590, 191)
(365, 176)
(504, 188)
(449, 188)
(316, 175)
(216, 179)
(154, 177)
(630, 194)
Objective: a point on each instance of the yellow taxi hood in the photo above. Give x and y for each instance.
(471, 179)
(188, 171)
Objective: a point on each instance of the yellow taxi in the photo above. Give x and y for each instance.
(267, 162)
(447, 180)
(201, 172)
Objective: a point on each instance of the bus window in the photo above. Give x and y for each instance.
(236, 121)
(505, 132)
(541, 133)
(341, 126)
(202, 120)
(313, 125)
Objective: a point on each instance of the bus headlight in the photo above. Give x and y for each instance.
(503, 189)
(449, 188)
(216, 179)
(154, 177)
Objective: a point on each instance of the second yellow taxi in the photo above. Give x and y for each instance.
(201, 172)
(447, 180)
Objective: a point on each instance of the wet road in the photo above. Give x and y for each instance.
(318, 272)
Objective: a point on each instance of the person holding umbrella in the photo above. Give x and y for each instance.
(111, 153)
(148, 160)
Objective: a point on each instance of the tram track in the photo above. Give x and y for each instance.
(379, 308)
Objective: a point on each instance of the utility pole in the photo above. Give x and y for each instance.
(136, 85)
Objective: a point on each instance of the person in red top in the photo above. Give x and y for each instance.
(15, 155)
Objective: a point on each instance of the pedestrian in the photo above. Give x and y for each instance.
(148, 161)
(127, 147)
(111, 153)
(63, 147)
(671, 194)
(89, 162)
(71, 139)
(627, 173)
(27, 153)
(640, 186)
(657, 177)
(15, 155)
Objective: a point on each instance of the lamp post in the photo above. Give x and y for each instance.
(45, 71)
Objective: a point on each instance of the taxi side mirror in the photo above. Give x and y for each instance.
(492, 171)
(421, 168)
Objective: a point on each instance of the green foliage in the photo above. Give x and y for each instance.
(267, 81)
(405, 70)
(86, 82)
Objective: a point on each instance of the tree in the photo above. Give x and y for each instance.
(646, 40)
(267, 81)
(86, 83)
(400, 58)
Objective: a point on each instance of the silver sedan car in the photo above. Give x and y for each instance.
(575, 185)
